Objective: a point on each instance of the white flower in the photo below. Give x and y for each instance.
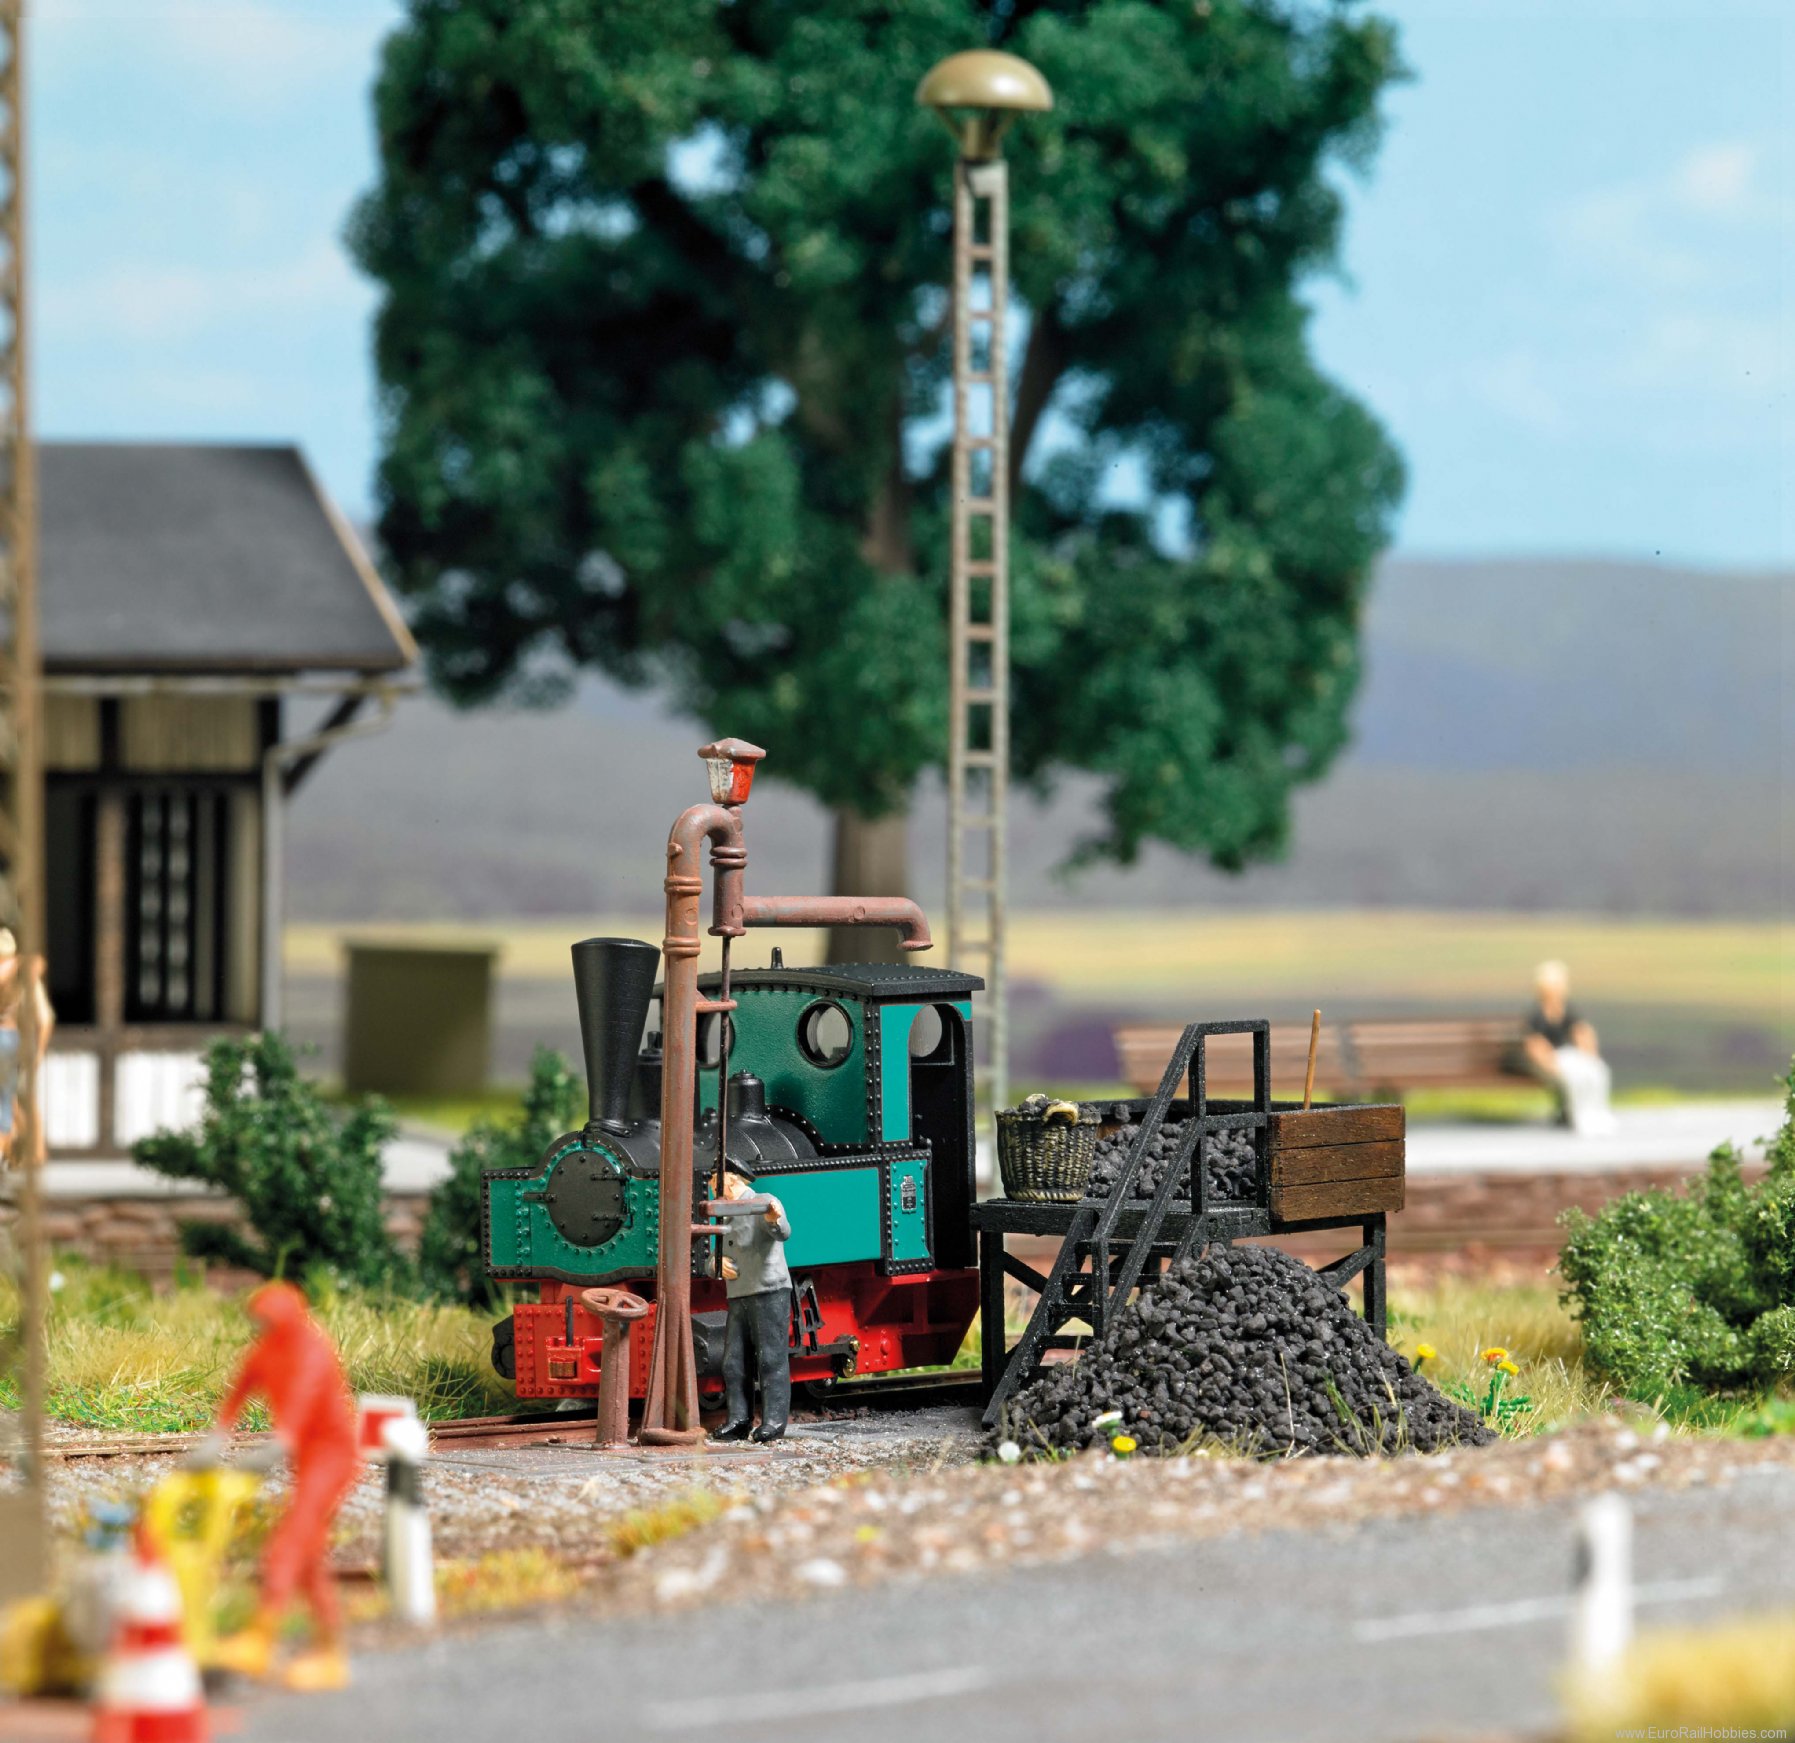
(1107, 1418)
(56, 1281)
(1009, 1452)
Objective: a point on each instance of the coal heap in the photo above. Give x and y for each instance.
(1233, 1169)
(1248, 1346)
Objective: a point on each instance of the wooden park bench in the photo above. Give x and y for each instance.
(1360, 1059)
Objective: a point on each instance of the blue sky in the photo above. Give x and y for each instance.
(1570, 278)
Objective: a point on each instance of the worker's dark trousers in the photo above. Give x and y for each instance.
(763, 1321)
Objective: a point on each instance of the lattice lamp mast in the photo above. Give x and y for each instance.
(977, 95)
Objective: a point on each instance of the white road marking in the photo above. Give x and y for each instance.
(1519, 1612)
(791, 1703)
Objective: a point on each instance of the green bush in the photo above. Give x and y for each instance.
(1693, 1289)
(308, 1179)
(449, 1256)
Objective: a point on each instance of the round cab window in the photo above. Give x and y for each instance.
(927, 1033)
(825, 1033)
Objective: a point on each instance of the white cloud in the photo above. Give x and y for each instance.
(1517, 384)
(1740, 357)
(157, 303)
(1719, 179)
(158, 398)
(246, 53)
(1662, 228)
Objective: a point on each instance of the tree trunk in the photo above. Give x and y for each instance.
(871, 854)
(871, 858)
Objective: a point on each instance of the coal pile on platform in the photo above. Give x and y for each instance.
(1247, 1346)
(1233, 1167)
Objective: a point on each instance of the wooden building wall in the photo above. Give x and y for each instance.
(157, 883)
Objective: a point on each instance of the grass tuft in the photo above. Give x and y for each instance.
(503, 1579)
(1735, 1680)
(645, 1526)
(1461, 1318)
(125, 1357)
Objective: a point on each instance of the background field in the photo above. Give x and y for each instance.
(1685, 1004)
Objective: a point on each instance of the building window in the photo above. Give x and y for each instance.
(69, 814)
(177, 904)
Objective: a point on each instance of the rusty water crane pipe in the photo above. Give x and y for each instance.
(670, 1414)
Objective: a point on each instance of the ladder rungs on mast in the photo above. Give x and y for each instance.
(979, 759)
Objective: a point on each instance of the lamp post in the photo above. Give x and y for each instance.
(977, 95)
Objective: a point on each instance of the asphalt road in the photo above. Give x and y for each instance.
(1426, 1629)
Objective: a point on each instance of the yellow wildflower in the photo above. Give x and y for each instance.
(1494, 1354)
(1123, 1444)
(1507, 1368)
(1425, 1352)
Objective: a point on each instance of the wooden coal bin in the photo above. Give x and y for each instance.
(1341, 1161)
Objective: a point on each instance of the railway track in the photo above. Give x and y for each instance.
(475, 1433)
(466, 1433)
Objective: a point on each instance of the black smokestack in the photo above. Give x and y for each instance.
(614, 981)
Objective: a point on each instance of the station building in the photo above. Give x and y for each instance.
(212, 628)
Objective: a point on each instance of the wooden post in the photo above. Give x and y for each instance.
(109, 955)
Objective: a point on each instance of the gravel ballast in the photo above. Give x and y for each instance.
(1250, 1347)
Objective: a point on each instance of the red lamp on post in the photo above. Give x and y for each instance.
(730, 765)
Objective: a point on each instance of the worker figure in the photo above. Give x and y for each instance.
(759, 1284)
(294, 1365)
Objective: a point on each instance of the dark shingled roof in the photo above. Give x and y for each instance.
(177, 557)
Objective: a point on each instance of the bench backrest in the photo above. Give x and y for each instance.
(1457, 1052)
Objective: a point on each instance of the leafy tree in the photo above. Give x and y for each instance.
(449, 1254)
(308, 1179)
(663, 347)
(1696, 1288)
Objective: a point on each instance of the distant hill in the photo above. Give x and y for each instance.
(1543, 666)
(1531, 734)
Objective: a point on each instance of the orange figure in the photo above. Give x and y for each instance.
(296, 1368)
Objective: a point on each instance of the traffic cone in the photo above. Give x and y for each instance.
(149, 1689)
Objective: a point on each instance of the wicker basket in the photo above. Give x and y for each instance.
(1044, 1154)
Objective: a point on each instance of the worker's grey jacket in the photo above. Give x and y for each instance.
(756, 1248)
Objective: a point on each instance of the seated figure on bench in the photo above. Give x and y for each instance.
(1561, 1049)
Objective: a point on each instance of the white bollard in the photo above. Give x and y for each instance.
(1602, 1611)
(410, 1569)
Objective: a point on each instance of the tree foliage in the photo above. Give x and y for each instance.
(663, 349)
(1694, 1288)
(449, 1256)
(307, 1178)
